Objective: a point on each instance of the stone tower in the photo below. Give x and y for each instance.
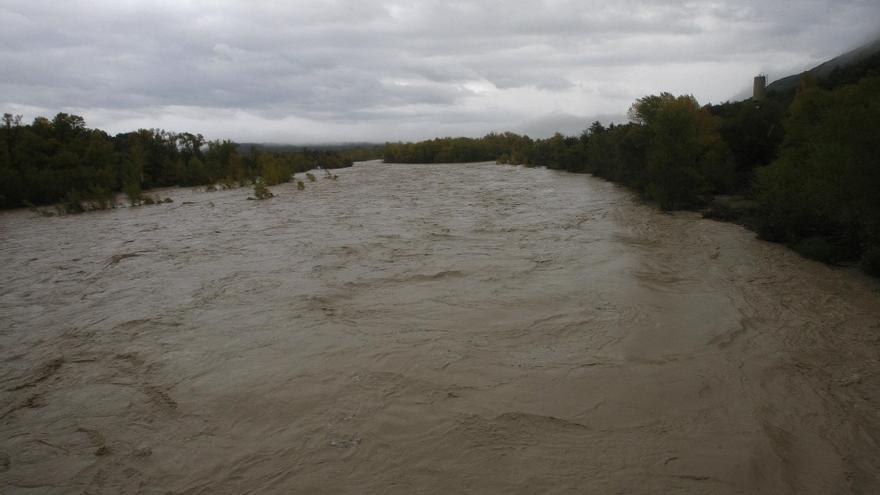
(760, 89)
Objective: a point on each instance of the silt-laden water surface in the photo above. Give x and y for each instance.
(428, 329)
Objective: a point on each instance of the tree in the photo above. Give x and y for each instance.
(67, 127)
(820, 195)
(270, 169)
(10, 121)
(686, 157)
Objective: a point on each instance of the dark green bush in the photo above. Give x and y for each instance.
(261, 191)
(819, 249)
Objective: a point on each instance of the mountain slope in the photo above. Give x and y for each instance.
(843, 69)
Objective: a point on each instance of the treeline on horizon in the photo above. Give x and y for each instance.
(63, 161)
(799, 167)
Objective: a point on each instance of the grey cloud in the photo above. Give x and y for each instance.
(473, 66)
(518, 78)
(565, 123)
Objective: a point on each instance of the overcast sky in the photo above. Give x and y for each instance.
(339, 71)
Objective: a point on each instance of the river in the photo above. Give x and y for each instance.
(407, 329)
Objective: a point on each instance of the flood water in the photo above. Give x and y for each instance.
(429, 329)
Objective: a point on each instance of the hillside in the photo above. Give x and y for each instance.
(843, 69)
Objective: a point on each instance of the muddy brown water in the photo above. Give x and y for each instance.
(429, 329)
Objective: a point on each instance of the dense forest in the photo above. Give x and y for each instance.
(799, 166)
(63, 161)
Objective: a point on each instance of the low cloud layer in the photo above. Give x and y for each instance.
(337, 71)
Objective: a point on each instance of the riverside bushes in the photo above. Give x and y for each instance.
(63, 161)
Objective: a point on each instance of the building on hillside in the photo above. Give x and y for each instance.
(760, 89)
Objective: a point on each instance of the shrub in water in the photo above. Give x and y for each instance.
(133, 191)
(72, 203)
(261, 191)
(45, 212)
(101, 198)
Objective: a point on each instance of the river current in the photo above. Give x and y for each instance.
(468, 328)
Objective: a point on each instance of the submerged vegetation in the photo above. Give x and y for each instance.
(799, 166)
(261, 191)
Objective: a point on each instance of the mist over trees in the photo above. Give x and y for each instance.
(62, 160)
